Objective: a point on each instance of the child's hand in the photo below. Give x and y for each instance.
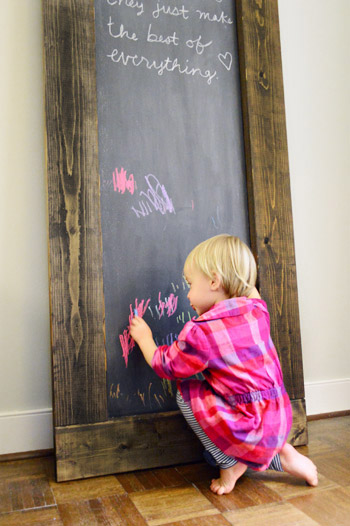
(139, 330)
(142, 334)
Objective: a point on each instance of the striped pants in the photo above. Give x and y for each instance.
(212, 454)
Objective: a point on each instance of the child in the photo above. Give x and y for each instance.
(240, 411)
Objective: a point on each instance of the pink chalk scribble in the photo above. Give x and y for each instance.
(121, 182)
(126, 342)
(170, 305)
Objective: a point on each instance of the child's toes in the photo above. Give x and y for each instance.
(218, 487)
(215, 486)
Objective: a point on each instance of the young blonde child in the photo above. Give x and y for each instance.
(240, 411)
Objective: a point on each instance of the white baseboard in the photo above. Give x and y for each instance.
(33, 430)
(329, 396)
(26, 431)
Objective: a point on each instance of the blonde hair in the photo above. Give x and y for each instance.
(229, 258)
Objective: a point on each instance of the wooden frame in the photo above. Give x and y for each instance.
(87, 443)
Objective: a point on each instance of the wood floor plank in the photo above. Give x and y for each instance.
(326, 507)
(150, 479)
(287, 486)
(41, 492)
(328, 435)
(130, 482)
(23, 494)
(42, 466)
(117, 510)
(86, 489)
(197, 472)
(172, 504)
(213, 520)
(77, 514)
(40, 517)
(126, 509)
(246, 493)
(335, 466)
(278, 514)
(5, 498)
(15, 490)
(169, 477)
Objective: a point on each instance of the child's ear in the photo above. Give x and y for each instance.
(215, 283)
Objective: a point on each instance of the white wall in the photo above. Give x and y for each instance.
(25, 384)
(315, 46)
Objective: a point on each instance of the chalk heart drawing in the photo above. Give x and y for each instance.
(226, 59)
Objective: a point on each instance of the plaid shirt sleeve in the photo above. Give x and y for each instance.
(187, 356)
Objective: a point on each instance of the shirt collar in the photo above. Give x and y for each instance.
(231, 307)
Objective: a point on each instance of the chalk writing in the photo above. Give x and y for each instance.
(165, 306)
(156, 199)
(128, 3)
(150, 34)
(169, 305)
(226, 59)
(142, 396)
(217, 219)
(168, 392)
(139, 307)
(169, 339)
(168, 64)
(157, 399)
(127, 344)
(126, 341)
(121, 183)
(171, 39)
(114, 392)
(123, 33)
(172, 11)
(181, 318)
(167, 387)
(175, 287)
(210, 17)
(197, 44)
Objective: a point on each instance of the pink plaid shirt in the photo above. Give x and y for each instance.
(241, 404)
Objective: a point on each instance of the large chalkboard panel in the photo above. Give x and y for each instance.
(172, 169)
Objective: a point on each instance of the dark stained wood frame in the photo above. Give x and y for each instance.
(87, 443)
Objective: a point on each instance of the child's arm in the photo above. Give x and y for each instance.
(182, 359)
(142, 334)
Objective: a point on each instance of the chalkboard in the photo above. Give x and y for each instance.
(172, 170)
(144, 160)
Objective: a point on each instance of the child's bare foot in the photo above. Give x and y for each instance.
(298, 465)
(228, 478)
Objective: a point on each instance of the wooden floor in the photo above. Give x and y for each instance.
(179, 496)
